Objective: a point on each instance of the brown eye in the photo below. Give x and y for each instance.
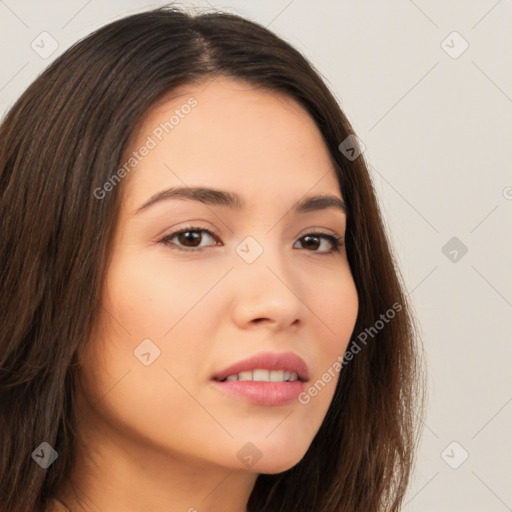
(189, 239)
(311, 242)
(314, 241)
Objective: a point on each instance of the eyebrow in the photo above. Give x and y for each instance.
(215, 197)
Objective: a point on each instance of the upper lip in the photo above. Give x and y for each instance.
(287, 361)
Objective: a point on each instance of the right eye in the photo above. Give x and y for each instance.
(188, 239)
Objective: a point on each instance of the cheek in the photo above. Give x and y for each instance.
(141, 304)
(162, 303)
(336, 305)
(150, 296)
(336, 308)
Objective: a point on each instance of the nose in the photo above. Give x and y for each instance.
(265, 293)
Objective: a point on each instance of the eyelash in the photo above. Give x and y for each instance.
(336, 241)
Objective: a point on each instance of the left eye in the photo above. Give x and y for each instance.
(191, 239)
(319, 240)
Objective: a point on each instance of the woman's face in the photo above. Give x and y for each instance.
(242, 279)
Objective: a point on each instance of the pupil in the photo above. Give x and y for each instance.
(314, 239)
(189, 237)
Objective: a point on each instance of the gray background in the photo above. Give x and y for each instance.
(436, 124)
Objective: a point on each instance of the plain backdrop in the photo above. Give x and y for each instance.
(427, 86)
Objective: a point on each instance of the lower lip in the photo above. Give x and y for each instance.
(263, 393)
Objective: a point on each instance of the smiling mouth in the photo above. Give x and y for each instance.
(262, 387)
(266, 367)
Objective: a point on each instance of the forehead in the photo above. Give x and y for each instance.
(229, 134)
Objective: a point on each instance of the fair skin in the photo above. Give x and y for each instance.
(162, 437)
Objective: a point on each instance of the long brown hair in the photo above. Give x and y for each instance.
(62, 140)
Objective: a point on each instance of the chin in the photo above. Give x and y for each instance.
(277, 466)
(278, 460)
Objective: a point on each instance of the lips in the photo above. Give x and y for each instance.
(271, 361)
(265, 379)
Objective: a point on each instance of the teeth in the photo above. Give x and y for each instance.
(277, 376)
(261, 375)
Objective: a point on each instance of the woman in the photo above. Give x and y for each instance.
(200, 307)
